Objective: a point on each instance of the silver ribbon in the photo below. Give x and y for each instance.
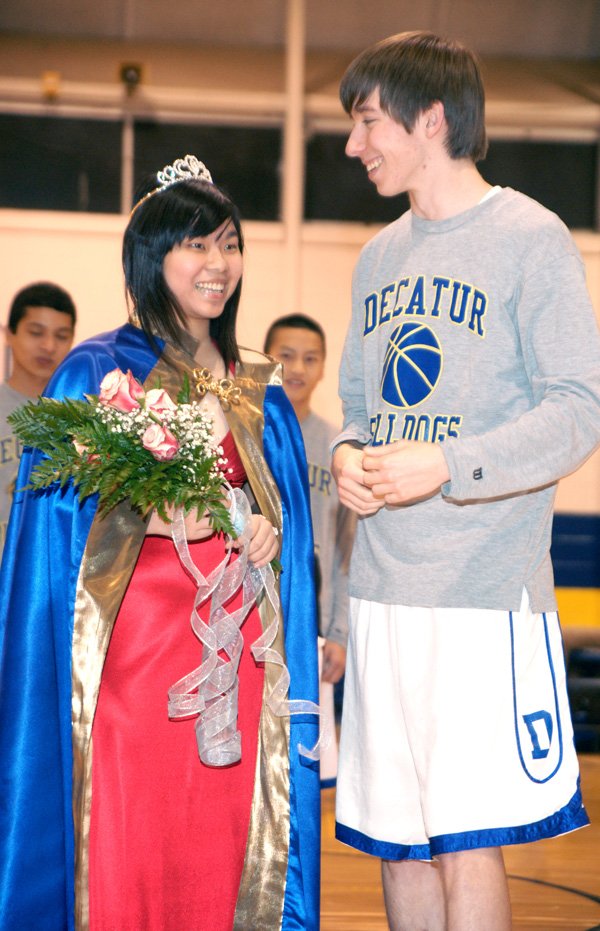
(211, 690)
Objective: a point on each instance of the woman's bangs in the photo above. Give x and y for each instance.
(206, 219)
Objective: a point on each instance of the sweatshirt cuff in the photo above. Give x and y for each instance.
(352, 437)
(337, 636)
(467, 474)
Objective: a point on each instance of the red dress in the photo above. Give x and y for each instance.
(167, 833)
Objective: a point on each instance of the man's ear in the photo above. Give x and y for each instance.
(434, 118)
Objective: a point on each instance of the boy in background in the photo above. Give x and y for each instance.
(298, 342)
(39, 334)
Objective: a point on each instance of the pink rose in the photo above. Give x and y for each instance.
(157, 401)
(121, 391)
(160, 442)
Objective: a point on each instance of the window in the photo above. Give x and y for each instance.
(51, 163)
(242, 160)
(337, 187)
(54, 163)
(560, 175)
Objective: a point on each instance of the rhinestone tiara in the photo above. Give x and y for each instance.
(183, 169)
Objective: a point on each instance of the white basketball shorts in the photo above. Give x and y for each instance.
(456, 731)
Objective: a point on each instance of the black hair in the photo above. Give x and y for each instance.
(411, 71)
(41, 294)
(182, 211)
(296, 322)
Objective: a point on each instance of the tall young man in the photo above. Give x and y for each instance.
(298, 342)
(40, 329)
(471, 383)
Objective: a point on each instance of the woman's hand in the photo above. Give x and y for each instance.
(264, 543)
(194, 529)
(263, 546)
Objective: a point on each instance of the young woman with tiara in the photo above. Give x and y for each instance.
(112, 817)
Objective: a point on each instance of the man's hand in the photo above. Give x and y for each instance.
(334, 661)
(405, 471)
(347, 468)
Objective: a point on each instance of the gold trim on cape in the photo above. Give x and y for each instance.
(108, 561)
(109, 558)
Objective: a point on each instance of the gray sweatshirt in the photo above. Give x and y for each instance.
(476, 332)
(332, 528)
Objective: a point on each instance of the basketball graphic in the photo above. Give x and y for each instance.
(412, 365)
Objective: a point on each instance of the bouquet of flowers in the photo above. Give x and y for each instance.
(129, 443)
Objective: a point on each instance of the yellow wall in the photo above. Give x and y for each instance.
(579, 607)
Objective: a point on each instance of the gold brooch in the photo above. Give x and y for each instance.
(224, 389)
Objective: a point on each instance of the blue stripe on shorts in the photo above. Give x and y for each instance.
(567, 819)
(381, 848)
(572, 816)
